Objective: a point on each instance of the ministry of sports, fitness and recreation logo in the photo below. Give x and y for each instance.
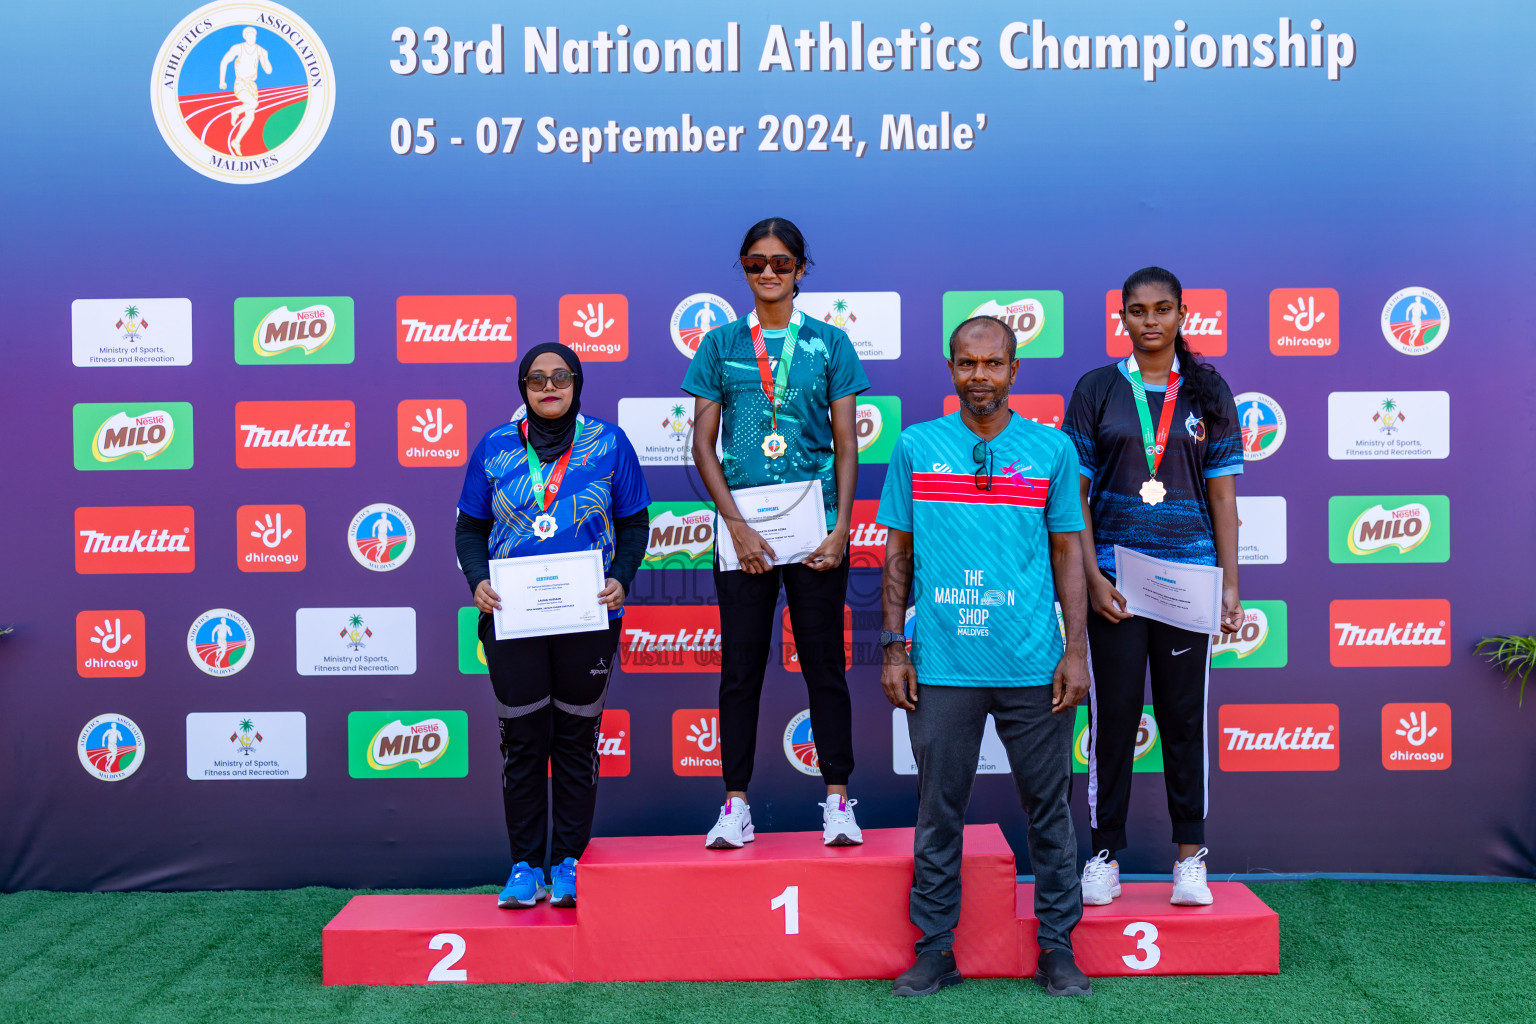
(242, 92)
(221, 642)
(381, 537)
(111, 747)
(1415, 321)
(800, 744)
(1263, 425)
(695, 317)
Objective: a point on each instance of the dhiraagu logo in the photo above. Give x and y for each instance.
(1149, 744)
(1389, 528)
(471, 650)
(294, 329)
(1035, 316)
(133, 435)
(1263, 640)
(407, 744)
(877, 421)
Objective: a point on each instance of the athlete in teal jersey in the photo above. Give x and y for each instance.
(985, 606)
(983, 531)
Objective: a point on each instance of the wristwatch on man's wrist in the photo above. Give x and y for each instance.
(887, 638)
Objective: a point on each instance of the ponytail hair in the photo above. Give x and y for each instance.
(1200, 382)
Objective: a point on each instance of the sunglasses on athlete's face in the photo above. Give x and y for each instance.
(755, 265)
(540, 381)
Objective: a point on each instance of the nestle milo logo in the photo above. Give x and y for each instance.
(1389, 528)
(294, 329)
(133, 435)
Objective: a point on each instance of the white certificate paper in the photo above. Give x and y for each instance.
(791, 518)
(1186, 596)
(545, 594)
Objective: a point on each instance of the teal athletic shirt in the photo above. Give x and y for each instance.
(983, 587)
(825, 368)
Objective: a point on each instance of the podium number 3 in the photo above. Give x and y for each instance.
(444, 970)
(789, 899)
(1147, 951)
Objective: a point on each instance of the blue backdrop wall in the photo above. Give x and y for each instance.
(1377, 171)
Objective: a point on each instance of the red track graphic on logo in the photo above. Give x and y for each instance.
(208, 114)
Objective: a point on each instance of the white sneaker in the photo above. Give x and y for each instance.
(1189, 888)
(837, 825)
(1101, 880)
(734, 829)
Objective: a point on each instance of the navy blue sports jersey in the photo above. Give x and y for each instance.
(1102, 423)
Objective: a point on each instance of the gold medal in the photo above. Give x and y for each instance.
(1153, 491)
(773, 445)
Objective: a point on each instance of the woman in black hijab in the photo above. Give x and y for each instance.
(551, 481)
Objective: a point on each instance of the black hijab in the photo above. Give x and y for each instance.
(551, 438)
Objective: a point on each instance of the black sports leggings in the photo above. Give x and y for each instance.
(551, 690)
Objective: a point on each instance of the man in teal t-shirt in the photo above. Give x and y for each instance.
(983, 516)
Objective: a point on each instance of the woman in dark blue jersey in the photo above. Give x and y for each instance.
(551, 481)
(1160, 448)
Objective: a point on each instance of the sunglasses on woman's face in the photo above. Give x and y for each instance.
(540, 381)
(755, 265)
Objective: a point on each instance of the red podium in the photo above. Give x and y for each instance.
(1142, 933)
(782, 908)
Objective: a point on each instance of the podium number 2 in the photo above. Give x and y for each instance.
(789, 899)
(1147, 951)
(444, 970)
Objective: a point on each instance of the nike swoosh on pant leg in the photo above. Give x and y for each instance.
(1184, 651)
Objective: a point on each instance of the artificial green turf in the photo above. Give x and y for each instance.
(1349, 951)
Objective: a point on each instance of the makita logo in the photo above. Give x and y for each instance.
(285, 435)
(456, 329)
(866, 541)
(1205, 325)
(679, 638)
(475, 330)
(96, 542)
(1279, 737)
(1297, 739)
(316, 435)
(1389, 632)
(132, 539)
(1409, 634)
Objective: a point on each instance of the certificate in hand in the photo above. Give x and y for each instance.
(545, 594)
(791, 518)
(1182, 595)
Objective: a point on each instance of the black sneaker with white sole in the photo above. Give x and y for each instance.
(934, 969)
(1057, 973)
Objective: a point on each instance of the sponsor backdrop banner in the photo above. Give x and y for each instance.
(290, 256)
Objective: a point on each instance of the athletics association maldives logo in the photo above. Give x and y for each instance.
(242, 92)
(695, 317)
(1263, 425)
(381, 537)
(111, 747)
(1415, 321)
(221, 642)
(800, 744)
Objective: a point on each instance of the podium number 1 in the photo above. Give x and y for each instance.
(444, 970)
(789, 899)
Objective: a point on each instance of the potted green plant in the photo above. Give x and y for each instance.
(1514, 655)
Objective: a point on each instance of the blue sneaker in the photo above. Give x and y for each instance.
(525, 887)
(562, 884)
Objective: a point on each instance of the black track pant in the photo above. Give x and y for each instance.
(747, 633)
(1120, 652)
(551, 691)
